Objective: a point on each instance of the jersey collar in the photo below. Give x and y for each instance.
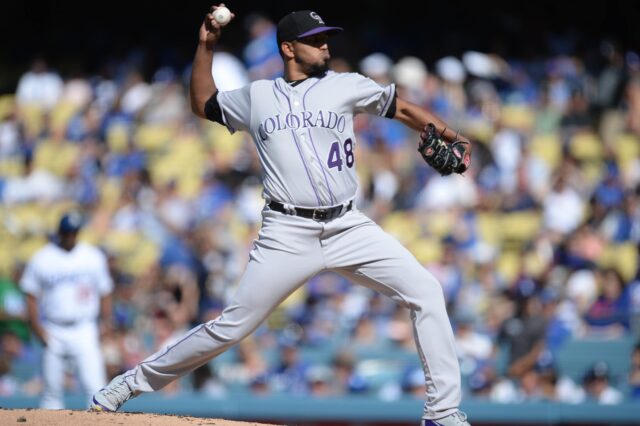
(294, 83)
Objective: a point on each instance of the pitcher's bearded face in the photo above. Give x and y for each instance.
(312, 53)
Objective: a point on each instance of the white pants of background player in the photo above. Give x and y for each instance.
(80, 344)
(289, 251)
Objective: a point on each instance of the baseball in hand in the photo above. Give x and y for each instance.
(222, 15)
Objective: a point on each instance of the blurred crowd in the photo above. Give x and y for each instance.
(536, 247)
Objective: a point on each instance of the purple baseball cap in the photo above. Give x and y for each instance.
(303, 23)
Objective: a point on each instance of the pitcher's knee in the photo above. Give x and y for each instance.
(229, 332)
(426, 291)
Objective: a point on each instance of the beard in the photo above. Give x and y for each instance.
(314, 69)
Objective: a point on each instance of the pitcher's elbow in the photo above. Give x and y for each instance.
(198, 109)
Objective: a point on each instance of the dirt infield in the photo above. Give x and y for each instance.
(83, 418)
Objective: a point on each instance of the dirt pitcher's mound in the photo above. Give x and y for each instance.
(83, 418)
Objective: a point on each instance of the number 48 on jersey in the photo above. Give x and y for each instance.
(335, 156)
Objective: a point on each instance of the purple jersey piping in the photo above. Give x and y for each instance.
(332, 199)
(304, 163)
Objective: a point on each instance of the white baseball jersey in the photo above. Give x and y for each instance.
(304, 133)
(305, 139)
(68, 284)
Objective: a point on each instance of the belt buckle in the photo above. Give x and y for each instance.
(315, 213)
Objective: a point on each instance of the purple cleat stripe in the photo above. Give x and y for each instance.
(100, 405)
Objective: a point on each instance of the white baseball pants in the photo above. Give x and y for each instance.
(81, 344)
(288, 252)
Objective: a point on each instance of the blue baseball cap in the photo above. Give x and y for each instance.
(70, 223)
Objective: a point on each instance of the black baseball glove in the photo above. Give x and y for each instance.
(444, 157)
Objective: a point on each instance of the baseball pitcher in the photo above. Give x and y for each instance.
(302, 127)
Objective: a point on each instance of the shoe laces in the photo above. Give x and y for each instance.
(462, 416)
(117, 391)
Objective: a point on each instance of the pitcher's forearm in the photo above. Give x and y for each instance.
(202, 84)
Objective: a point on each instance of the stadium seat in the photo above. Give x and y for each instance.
(509, 264)
(586, 146)
(622, 257)
(56, 157)
(440, 223)
(28, 247)
(548, 148)
(488, 224)
(426, 250)
(32, 116)
(60, 116)
(627, 149)
(517, 116)
(11, 166)
(152, 138)
(224, 146)
(401, 225)
(7, 105)
(520, 226)
(576, 356)
(118, 137)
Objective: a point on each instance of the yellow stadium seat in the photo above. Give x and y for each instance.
(592, 172)
(621, 257)
(56, 157)
(90, 236)
(479, 130)
(517, 117)
(509, 264)
(626, 260)
(547, 147)
(401, 225)
(118, 137)
(11, 166)
(61, 114)
(28, 247)
(222, 142)
(7, 105)
(153, 137)
(189, 186)
(296, 298)
(489, 227)
(122, 242)
(143, 257)
(586, 146)
(32, 116)
(440, 224)
(627, 150)
(607, 257)
(28, 219)
(534, 265)
(426, 250)
(520, 226)
(110, 192)
(183, 162)
(7, 261)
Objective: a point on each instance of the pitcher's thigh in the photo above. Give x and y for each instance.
(377, 260)
(272, 274)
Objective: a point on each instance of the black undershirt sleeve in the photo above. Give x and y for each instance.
(391, 111)
(212, 109)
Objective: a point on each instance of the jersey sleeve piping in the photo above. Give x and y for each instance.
(225, 121)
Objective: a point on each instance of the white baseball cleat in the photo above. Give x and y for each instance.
(456, 419)
(113, 396)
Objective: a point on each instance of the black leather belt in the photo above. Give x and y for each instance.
(315, 214)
